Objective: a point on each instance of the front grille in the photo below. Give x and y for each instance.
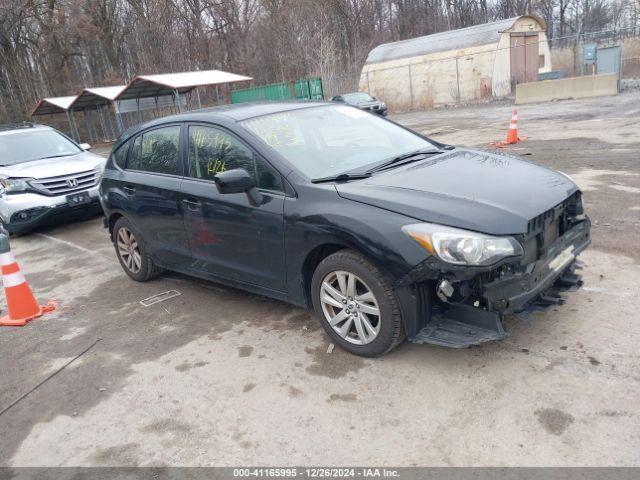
(65, 184)
(547, 227)
(538, 224)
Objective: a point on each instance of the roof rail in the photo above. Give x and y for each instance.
(16, 126)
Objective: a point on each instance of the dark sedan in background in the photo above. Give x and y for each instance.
(384, 232)
(363, 101)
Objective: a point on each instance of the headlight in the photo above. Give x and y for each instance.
(100, 171)
(462, 247)
(11, 185)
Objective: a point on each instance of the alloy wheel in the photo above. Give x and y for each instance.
(350, 307)
(128, 250)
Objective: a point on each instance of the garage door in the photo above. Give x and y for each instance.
(524, 57)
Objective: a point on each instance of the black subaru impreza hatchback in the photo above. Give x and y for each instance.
(382, 231)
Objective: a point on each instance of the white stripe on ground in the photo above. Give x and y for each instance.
(114, 260)
(65, 242)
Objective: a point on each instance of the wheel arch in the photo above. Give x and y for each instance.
(111, 221)
(311, 262)
(322, 251)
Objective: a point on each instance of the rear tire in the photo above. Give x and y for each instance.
(356, 305)
(132, 253)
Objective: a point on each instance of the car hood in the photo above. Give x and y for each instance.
(475, 190)
(53, 167)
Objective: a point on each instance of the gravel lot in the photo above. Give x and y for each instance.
(217, 376)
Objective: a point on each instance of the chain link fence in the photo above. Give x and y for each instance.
(568, 52)
(339, 84)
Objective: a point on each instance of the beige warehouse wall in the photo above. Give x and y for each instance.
(501, 77)
(454, 76)
(476, 72)
(429, 80)
(391, 85)
(565, 88)
(545, 49)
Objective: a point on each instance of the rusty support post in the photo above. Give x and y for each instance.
(177, 97)
(457, 81)
(410, 88)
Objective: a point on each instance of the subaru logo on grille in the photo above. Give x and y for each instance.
(72, 182)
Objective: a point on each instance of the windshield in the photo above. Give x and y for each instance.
(330, 140)
(28, 145)
(357, 97)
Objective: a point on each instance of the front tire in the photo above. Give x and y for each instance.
(356, 304)
(132, 253)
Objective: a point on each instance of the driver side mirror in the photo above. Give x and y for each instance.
(85, 146)
(238, 180)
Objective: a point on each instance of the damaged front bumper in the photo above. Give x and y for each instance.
(477, 316)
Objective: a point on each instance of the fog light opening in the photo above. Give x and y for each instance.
(444, 290)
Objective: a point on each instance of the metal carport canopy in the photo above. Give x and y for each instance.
(144, 86)
(53, 105)
(96, 97)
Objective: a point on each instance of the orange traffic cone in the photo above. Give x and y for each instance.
(512, 134)
(21, 303)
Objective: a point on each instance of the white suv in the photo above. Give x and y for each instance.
(45, 176)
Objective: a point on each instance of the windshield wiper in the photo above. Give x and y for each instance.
(343, 177)
(357, 175)
(405, 158)
(56, 156)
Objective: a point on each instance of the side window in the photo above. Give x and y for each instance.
(156, 151)
(212, 150)
(268, 177)
(120, 155)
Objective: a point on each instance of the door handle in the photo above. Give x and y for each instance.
(191, 204)
(129, 190)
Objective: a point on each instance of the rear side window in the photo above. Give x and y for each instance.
(120, 155)
(156, 151)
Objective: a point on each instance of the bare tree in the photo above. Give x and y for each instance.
(57, 47)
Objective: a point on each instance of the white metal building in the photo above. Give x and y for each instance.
(458, 65)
